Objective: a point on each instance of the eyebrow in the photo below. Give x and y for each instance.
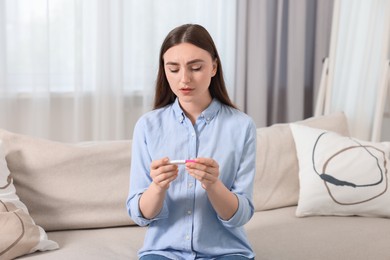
(188, 63)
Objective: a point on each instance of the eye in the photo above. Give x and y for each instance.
(174, 70)
(196, 68)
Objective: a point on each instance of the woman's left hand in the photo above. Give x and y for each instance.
(205, 170)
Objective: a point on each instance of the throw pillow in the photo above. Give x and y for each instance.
(341, 175)
(276, 181)
(19, 235)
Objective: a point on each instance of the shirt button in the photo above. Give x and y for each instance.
(193, 134)
(189, 212)
(190, 185)
(187, 237)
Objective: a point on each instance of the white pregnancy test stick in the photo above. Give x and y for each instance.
(180, 161)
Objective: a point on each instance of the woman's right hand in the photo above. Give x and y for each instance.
(152, 200)
(163, 173)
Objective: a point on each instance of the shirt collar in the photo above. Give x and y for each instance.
(208, 114)
(179, 113)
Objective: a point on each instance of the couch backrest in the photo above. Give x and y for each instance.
(85, 185)
(70, 186)
(277, 180)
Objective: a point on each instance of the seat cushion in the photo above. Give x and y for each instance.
(274, 234)
(279, 234)
(105, 243)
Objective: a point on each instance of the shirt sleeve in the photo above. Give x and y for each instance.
(243, 185)
(140, 176)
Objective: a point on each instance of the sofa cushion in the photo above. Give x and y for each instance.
(273, 234)
(276, 181)
(69, 186)
(279, 234)
(119, 243)
(19, 234)
(341, 175)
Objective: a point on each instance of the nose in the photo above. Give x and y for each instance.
(186, 76)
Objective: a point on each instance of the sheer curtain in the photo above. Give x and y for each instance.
(280, 48)
(359, 59)
(77, 70)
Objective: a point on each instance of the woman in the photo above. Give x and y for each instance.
(196, 210)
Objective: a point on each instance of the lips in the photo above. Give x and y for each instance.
(186, 90)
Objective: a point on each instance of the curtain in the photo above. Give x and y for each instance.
(280, 48)
(359, 56)
(79, 70)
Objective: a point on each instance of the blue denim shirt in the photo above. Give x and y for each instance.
(187, 226)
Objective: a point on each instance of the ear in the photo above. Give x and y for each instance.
(215, 67)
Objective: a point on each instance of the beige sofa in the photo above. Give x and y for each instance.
(76, 193)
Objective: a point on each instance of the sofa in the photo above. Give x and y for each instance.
(72, 199)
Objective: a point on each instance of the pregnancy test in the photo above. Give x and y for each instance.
(180, 161)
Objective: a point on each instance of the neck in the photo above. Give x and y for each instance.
(194, 109)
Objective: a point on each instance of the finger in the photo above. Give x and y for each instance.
(158, 163)
(165, 171)
(197, 166)
(206, 161)
(166, 182)
(203, 178)
(199, 174)
(170, 179)
(204, 168)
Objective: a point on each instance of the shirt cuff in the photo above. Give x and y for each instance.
(243, 214)
(140, 219)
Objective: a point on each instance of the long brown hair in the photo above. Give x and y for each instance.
(198, 36)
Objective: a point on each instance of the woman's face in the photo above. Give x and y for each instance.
(189, 70)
